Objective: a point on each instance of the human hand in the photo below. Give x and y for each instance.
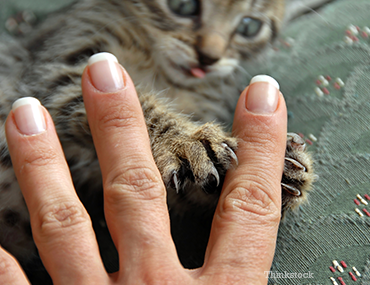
(243, 235)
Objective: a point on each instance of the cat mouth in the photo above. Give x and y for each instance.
(198, 72)
(194, 71)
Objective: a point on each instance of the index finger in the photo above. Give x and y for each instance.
(246, 221)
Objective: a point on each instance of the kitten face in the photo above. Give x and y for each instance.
(199, 40)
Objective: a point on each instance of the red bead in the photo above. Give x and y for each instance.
(332, 269)
(309, 142)
(328, 77)
(364, 35)
(366, 212)
(341, 281)
(348, 32)
(358, 28)
(343, 264)
(336, 86)
(353, 276)
(354, 38)
(357, 202)
(318, 82)
(367, 196)
(301, 135)
(326, 91)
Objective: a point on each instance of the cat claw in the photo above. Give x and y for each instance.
(216, 176)
(296, 164)
(233, 156)
(213, 181)
(175, 181)
(290, 189)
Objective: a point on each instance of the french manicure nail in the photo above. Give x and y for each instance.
(28, 116)
(106, 74)
(263, 95)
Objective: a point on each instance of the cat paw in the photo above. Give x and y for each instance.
(298, 173)
(199, 160)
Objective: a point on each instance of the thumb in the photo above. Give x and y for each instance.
(246, 221)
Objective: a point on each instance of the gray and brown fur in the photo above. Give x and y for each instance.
(157, 48)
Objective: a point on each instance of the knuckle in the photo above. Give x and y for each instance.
(251, 198)
(261, 134)
(39, 158)
(117, 117)
(142, 182)
(261, 145)
(56, 217)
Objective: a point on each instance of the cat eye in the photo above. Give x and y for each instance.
(184, 8)
(249, 27)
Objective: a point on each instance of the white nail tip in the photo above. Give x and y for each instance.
(102, 56)
(26, 101)
(265, 78)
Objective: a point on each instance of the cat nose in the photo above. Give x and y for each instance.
(210, 48)
(205, 59)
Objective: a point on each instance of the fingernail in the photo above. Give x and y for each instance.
(263, 95)
(29, 116)
(105, 72)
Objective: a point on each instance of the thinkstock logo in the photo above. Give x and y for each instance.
(288, 275)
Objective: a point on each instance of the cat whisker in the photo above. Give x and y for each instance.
(298, 9)
(243, 70)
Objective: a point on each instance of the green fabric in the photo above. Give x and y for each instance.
(40, 8)
(326, 228)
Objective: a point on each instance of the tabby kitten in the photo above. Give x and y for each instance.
(189, 50)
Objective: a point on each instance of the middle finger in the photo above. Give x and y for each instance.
(134, 194)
